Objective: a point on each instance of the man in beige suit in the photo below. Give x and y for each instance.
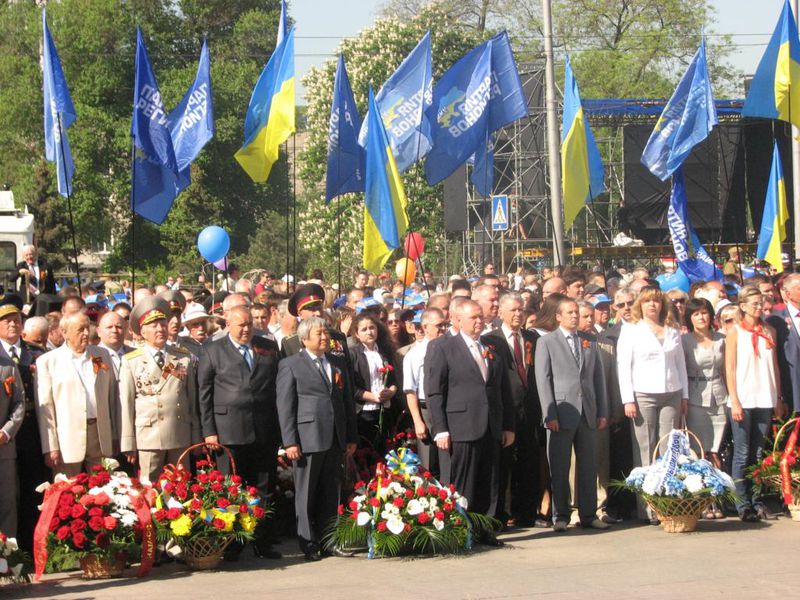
(77, 401)
(158, 393)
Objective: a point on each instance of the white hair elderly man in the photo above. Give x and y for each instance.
(35, 331)
(34, 275)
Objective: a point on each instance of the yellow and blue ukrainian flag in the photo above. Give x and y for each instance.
(270, 114)
(774, 217)
(775, 90)
(582, 174)
(385, 217)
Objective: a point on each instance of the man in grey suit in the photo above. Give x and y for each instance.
(572, 393)
(318, 426)
(12, 412)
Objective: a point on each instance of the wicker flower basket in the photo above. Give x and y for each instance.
(96, 567)
(682, 513)
(203, 554)
(775, 482)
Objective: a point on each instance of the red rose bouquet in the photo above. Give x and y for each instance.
(209, 509)
(102, 514)
(403, 510)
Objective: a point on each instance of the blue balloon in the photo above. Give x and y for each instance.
(213, 243)
(672, 281)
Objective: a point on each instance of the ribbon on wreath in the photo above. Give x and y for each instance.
(402, 462)
(141, 505)
(786, 475)
(48, 510)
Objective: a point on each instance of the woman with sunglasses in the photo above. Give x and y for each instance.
(751, 367)
(704, 350)
(652, 376)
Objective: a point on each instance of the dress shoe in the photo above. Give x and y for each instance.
(542, 523)
(488, 538)
(609, 519)
(265, 551)
(762, 514)
(594, 524)
(336, 551)
(560, 526)
(310, 551)
(312, 556)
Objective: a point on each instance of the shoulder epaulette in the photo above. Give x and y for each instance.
(133, 354)
(180, 350)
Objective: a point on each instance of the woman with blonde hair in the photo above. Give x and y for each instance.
(754, 394)
(652, 375)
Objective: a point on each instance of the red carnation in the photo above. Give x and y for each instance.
(422, 491)
(173, 513)
(66, 500)
(382, 526)
(81, 478)
(102, 540)
(423, 518)
(409, 494)
(96, 511)
(242, 508)
(791, 460)
(62, 533)
(216, 475)
(354, 515)
(768, 460)
(196, 488)
(452, 487)
(252, 491)
(458, 521)
(258, 512)
(237, 479)
(233, 490)
(78, 539)
(96, 468)
(443, 494)
(96, 523)
(352, 505)
(169, 487)
(439, 515)
(433, 490)
(77, 525)
(54, 523)
(223, 502)
(216, 487)
(196, 504)
(110, 523)
(407, 527)
(376, 502)
(180, 491)
(426, 475)
(359, 484)
(218, 523)
(203, 477)
(77, 489)
(448, 506)
(87, 499)
(340, 510)
(201, 463)
(398, 502)
(161, 514)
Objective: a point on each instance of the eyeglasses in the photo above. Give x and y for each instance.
(390, 321)
(728, 321)
(624, 304)
(754, 304)
(678, 301)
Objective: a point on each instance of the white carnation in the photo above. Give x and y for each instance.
(693, 483)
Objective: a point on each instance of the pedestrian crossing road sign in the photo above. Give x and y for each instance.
(499, 213)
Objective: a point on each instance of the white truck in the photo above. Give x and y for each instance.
(16, 230)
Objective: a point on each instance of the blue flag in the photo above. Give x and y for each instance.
(403, 101)
(483, 168)
(478, 95)
(192, 122)
(59, 113)
(692, 257)
(687, 119)
(345, 156)
(155, 181)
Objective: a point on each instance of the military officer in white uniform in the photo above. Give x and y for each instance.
(158, 393)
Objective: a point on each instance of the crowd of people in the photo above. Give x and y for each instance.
(529, 392)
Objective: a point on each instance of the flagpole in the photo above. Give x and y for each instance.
(133, 218)
(552, 138)
(727, 179)
(288, 211)
(795, 166)
(294, 210)
(69, 197)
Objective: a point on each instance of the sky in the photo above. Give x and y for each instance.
(321, 26)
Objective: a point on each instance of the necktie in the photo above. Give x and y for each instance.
(14, 355)
(248, 359)
(160, 359)
(476, 354)
(576, 353)
(321, 367)
(518, 359)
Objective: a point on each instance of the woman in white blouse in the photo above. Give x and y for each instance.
(754, 393)
(652, 376)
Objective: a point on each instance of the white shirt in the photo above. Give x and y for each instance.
(413, 369)
(325, 364)
(152, 352)
(116, 356)
(375, 362)
(85, 370)
(650, 366)
(7, 347)
(509, 335)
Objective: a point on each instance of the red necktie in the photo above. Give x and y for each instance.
(518, 359)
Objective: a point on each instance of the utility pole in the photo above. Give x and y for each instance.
(553, 141)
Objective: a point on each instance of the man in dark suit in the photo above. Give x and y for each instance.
(787, 328)
(469, 397)
(236, 381)
(35, 273)
(572, 394)
(519, 462)
(318, 427)
(31, 467)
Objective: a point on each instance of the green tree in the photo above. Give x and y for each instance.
(371, 58)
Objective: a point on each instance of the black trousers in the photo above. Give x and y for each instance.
(32, 471)
(523, 469)
(317, 481)
(475, 471)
